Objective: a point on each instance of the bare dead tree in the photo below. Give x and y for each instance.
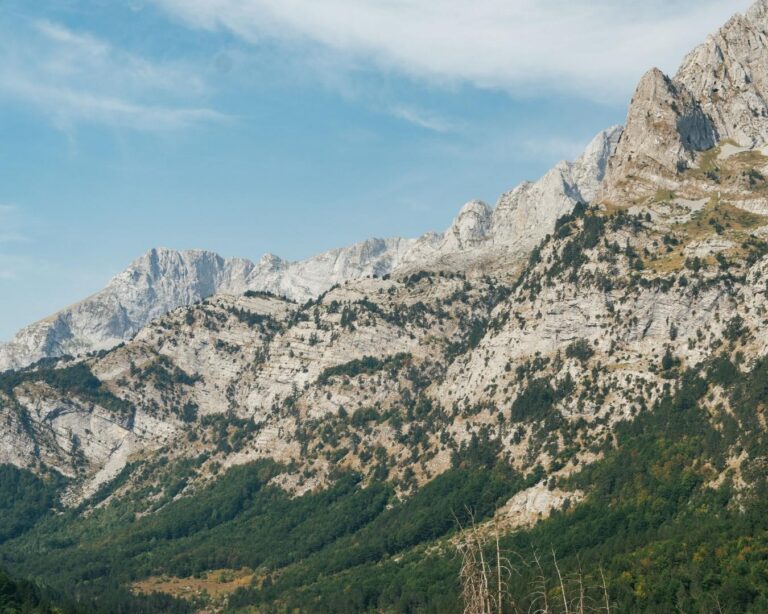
(605, 592)
(486, 573)
(475, 595)
(581, 606)
(583, 596)
(484, 579)
(474, 571)
(499, 584)
(562, 584)
(540, 594)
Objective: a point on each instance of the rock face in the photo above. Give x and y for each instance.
(470, 229)
(523, 216)
(152, 285)
(309, 278)
(719, 93)
(529, 506)
(665, 129)
(162, 279)
(728, 75)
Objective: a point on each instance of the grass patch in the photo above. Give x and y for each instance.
(212, 585)
(717, 218)
(664, 196)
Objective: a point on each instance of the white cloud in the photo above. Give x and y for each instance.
(592, 47)
(68, 105)
(75, 78)
(422, 119)
(84, 44)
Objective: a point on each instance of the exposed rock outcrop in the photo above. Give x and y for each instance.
(728, 75)
(523, 216)
(720, 93)
(665, 130)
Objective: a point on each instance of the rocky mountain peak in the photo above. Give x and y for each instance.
(728, 75)
(471, 226)
(155, 283)
(665, 129)
(524, 215)
(271, 262)
(720, 93)
(588, 171)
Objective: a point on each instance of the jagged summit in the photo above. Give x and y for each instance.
(728, 74)
(525, 214)
(152, 285)
(665, 129)
(471, 226)
(758, 14)
(720, 93)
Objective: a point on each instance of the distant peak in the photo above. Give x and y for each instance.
(167, 253)
(475, 207)
(271, 260)
(651, 82)
(471, 226)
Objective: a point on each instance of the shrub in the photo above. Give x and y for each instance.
(580, 349)
(366, 365)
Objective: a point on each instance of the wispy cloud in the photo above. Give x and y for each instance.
(594, 48)
(422, 119)
(9, 267)
(74, 78)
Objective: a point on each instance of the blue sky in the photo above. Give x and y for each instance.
(291, 126)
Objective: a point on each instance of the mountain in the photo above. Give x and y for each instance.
(163, 279)
(578, 388)
(728, 76)
(151, 286)
(719, 95)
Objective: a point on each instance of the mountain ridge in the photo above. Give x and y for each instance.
(164, 279)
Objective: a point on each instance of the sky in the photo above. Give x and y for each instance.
(292, 126)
